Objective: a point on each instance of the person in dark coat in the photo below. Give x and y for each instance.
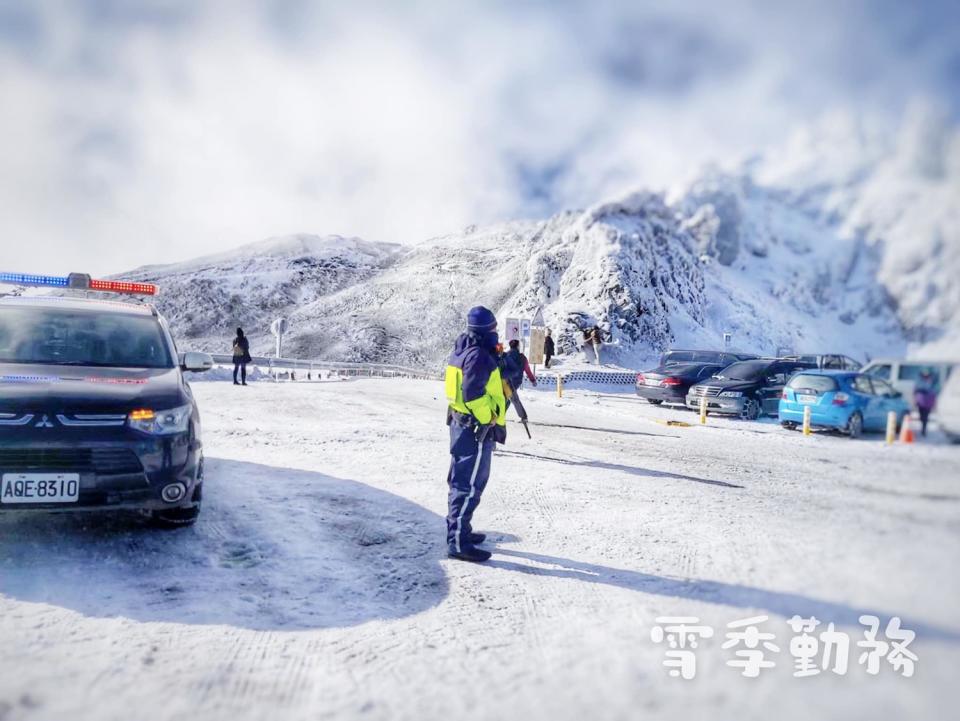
(515, 365)
(476, 417)
(925, 398)
(241, 356)
(548, 348)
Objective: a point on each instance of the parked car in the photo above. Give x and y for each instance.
(718, 357)
(841, 400)
(670, 383)
(903, 374)
(947, 411)
(829, 361)
(747, 388)
(95, 412)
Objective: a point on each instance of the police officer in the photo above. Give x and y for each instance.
(476, 416)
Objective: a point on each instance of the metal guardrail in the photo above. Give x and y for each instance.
(369, 370)
(384, 370)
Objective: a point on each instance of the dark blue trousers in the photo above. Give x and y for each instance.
(469, 471)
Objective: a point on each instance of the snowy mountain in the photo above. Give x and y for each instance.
(207, 298)
(843, 240)
(729, 257)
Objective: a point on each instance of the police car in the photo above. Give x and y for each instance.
(95, 413)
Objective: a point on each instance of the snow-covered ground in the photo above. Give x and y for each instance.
(316, 584)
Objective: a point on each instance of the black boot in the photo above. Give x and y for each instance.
(477, 538)
(469, 553)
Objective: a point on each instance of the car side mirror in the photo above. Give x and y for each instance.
(196, 362)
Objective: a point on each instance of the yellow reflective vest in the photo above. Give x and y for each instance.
(491, 403)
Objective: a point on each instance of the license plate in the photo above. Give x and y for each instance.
(40, 488)
(808, 399)
(651, 382)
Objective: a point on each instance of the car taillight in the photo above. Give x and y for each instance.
(671, 382)
(840, 399)
(640, 378)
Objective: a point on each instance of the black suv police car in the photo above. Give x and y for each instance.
(94, 410)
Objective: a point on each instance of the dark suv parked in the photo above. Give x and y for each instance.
(94, 411)
(748, 388)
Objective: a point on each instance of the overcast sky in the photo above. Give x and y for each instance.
(135, 133)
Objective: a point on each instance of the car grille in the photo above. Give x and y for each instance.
(104, 461)
(706, 391)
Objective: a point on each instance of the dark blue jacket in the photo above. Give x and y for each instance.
(513, 363)
(476, 362)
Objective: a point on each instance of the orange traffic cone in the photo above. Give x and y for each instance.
(906, 432)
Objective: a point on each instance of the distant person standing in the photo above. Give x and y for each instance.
(515, 365)
(925, 397)
(241, 356)
(548, 348)
(596, 339)
(587, 344)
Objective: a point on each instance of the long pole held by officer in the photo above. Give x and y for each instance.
(477, 418)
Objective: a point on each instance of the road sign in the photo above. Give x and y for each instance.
(524, 328)
(537, 336)
(537, 321)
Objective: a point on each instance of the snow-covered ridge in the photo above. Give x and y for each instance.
(846, 239)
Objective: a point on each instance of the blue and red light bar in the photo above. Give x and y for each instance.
(79, 281)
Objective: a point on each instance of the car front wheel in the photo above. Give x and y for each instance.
(855, 426)
(789, 425)
(751, 410)
(654, 401)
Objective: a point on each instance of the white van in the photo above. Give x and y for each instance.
(903, 374)
(947, 412)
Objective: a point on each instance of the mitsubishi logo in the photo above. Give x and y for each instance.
(44, 423)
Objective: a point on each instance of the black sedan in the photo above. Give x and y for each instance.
(670, 383)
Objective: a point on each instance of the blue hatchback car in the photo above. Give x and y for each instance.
(846, 401)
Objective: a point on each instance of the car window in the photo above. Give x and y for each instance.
(816, 383)
(911, 371)
(882, 388)
(708, 371)
(745, 370)
(676, 356)
(862, 384)
(834, 362)
(850, 364)
(60, 336)
(881, 371)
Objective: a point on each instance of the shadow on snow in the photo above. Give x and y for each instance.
(727, 594)
(274, 549)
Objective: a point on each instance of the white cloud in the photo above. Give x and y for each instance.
(154, 132)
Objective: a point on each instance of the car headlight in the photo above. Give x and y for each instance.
(161, 423)
(731, 394)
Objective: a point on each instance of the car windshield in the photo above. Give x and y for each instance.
(743, 371)
(60, 336)
(818, 384)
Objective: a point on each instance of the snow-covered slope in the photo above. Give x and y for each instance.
(895, 190)
(207, 298)
(727, 257)
(846, 239)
